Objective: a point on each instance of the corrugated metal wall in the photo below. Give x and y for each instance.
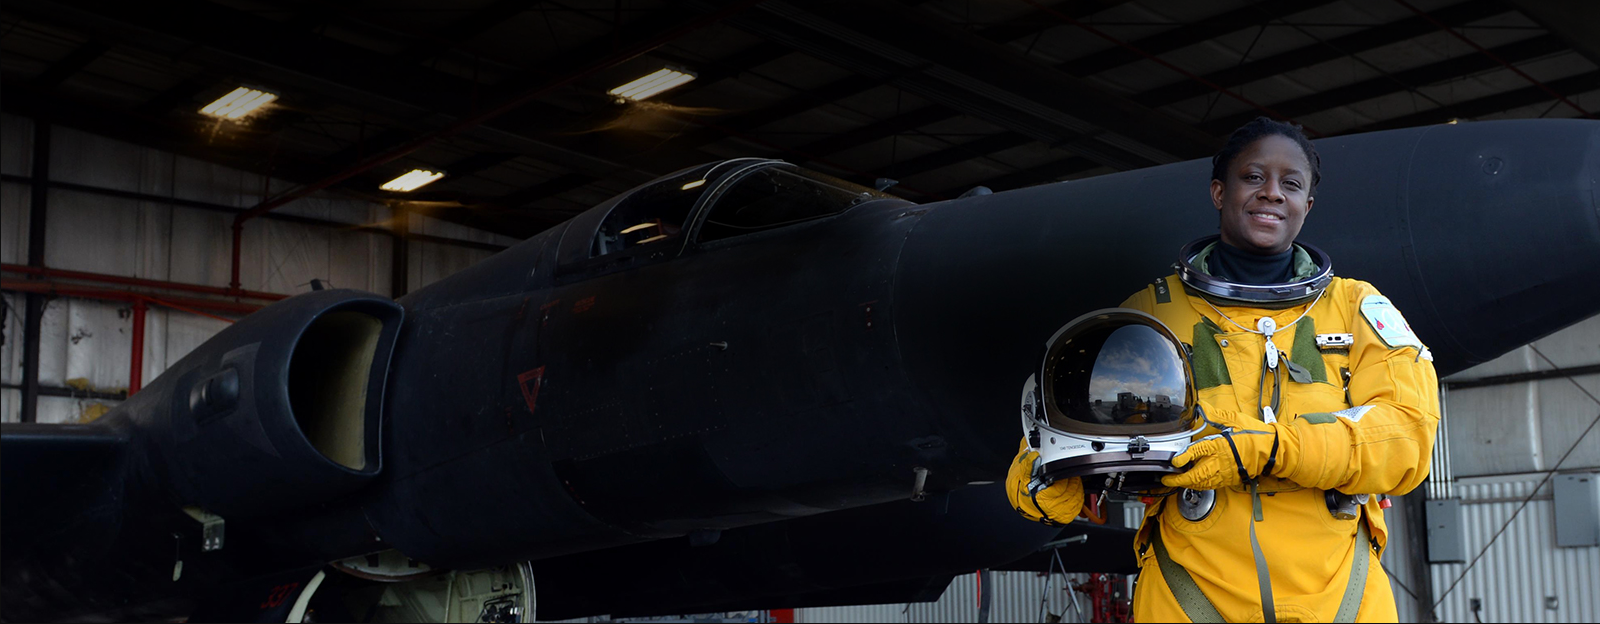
(1524, 567)
(1502, 441)
(86, 344)
(1018, 597)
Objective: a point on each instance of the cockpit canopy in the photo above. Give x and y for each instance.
(727, 199)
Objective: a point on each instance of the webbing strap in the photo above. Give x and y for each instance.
(1188, 594)
(1199, 608)
(1351, 604)
(1268, 613)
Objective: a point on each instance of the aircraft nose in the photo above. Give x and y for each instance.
(1504, 232)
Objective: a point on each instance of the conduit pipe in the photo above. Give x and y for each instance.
(136, 360)
(509, 105)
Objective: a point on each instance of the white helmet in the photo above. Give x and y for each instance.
(1114, 396)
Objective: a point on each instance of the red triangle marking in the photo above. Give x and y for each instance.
(1380, 324)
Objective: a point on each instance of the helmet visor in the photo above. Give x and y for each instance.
(1117, 374)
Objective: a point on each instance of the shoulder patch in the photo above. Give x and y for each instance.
(1162, 294)
(1387, 321)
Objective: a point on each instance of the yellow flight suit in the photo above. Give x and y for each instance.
(1382, 448)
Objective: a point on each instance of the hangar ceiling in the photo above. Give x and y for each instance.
(508, 97)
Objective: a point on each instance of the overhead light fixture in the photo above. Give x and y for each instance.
(412, 180)
(663, 79)
(238, 103)
(694, 184)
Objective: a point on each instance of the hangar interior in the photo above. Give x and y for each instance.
(125, 241)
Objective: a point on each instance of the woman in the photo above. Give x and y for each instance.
(1328, 399)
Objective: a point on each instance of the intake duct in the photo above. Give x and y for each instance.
(280, 410)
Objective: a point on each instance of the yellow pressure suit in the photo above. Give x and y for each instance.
(1381, 446)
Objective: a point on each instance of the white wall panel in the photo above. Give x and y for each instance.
(99, 345)
(83, 158)
(207, 182)
(10, 405)
(1566, 412)
(93, 233)
(14, 201)
(201, 247)
(431, 262)
(1527, 426)
(16, 145)
(85, 231)
(11, 327)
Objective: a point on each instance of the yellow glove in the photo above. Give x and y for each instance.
(1212, 462)
(1057, 504)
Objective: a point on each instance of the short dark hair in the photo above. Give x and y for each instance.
(1255, 130)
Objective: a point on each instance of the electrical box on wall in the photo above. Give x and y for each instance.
(1445, 543)
(1577, 501)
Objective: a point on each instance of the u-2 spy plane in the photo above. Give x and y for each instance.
(720, 390)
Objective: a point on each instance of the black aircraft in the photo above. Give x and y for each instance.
(721, 390)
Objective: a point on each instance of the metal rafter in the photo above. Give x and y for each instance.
(71, 64)
(1010, 30)
(1187, 35)
(954, 154)
(244, 152)
(1040, 174)
(1490, 104)
(463, 30)
(940, 62)
(343, 72)
(1311, 54)
(1037, 21)
(1400, 82)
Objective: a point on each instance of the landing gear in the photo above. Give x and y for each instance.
(410, 594)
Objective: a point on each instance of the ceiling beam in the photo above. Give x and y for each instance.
(1573, 22)
(462, 30)
(1041, 174)
(1491, 104)
(72, 63)
(959, 153)
(878, 130)
(246, 44)
(1039, 20)
(1400, 82)
(940, 62)
(548, 188)
(1021, 26)
(1250, 16)
(1320, 52)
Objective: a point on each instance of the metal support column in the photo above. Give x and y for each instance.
(35, 307)
(400, 266)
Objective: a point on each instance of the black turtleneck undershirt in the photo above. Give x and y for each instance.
(1242, 267)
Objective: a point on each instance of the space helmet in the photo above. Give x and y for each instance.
(1113, 396)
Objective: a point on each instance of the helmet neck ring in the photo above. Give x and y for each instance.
(1252, 294)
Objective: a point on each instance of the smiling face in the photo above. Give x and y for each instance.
(1264, 195)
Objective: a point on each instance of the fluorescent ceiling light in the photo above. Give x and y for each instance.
(663, 79)
(694, 184)
(238, 103)
(641, 226)
(411, 181)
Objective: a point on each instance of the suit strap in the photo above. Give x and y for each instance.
(1183, 588)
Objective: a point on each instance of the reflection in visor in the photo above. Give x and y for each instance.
(1116, 378)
